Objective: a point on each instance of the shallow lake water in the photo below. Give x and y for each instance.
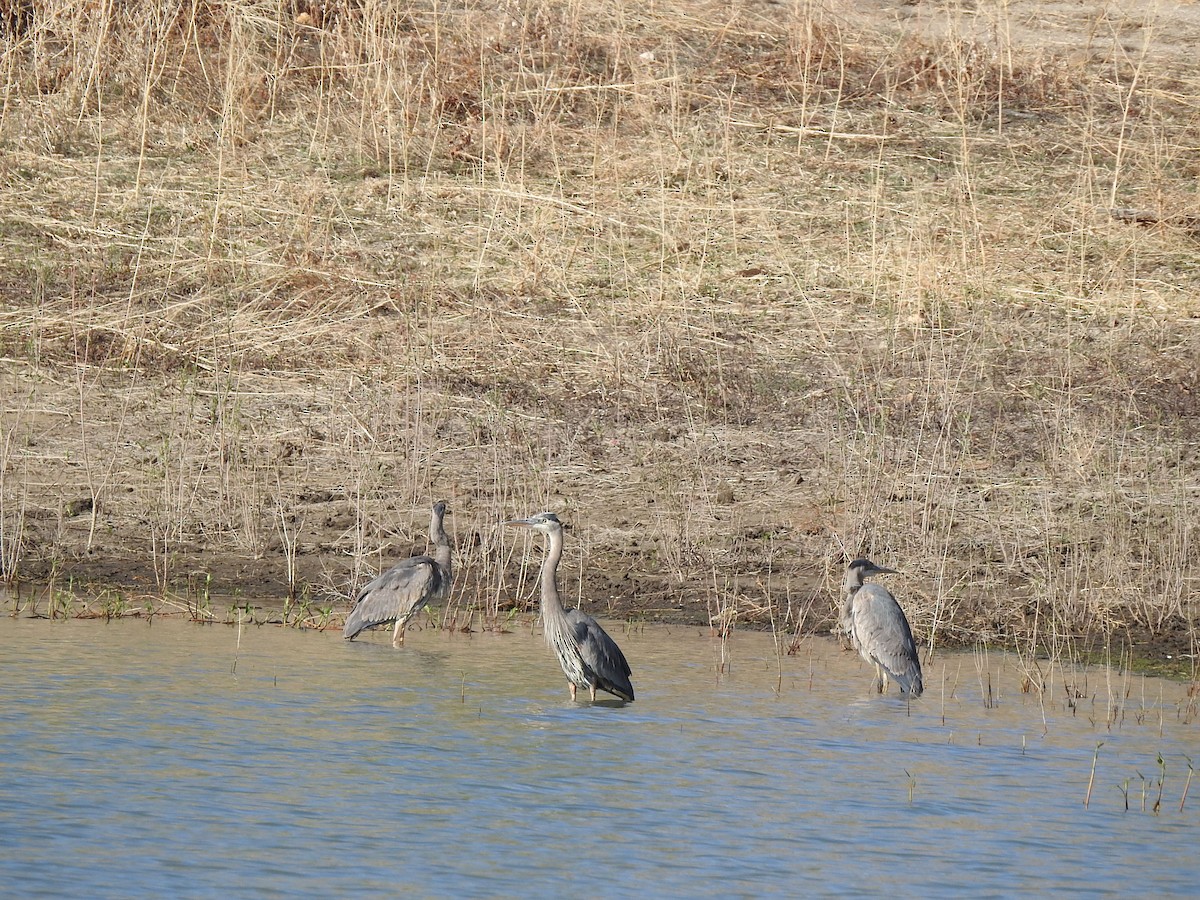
(173, 759)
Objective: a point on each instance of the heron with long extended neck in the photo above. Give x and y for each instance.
(588, 656)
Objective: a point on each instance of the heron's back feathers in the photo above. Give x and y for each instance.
(880, 632)
(603, 661)
(398, 594)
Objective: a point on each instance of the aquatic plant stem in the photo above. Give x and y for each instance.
(1092, 778)
(1187, 783)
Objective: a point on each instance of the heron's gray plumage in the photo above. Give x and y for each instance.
(878, 628)
(588, 656)
(403, 590)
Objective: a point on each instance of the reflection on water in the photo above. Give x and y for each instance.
(176, 759)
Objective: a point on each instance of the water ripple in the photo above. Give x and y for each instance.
(142, 762)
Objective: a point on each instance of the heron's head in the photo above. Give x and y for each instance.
(864, 567)
(545, 522)
(439, 508)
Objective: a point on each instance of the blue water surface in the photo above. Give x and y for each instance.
(174, 759)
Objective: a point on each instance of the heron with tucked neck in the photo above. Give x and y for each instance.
(878, 628)
(403, 590)
(588, 656)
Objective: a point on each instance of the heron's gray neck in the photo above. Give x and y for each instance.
(850, 586)
(552, 608)
(441, 542)
(852, 582)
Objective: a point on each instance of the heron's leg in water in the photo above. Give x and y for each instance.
(880, 679)
(398, 633)
(573, 689)
(593, 687)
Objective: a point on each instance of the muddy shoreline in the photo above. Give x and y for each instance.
(224, 591)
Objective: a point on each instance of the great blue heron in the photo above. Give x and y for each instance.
(878, 628)
(403, 590)
(588, 656)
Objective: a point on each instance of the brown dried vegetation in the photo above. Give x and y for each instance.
(741, 291)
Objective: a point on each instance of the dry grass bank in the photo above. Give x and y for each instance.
(741, 290)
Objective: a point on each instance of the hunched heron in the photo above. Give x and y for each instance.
(878, 628)
(403, 590)
(588, 656)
